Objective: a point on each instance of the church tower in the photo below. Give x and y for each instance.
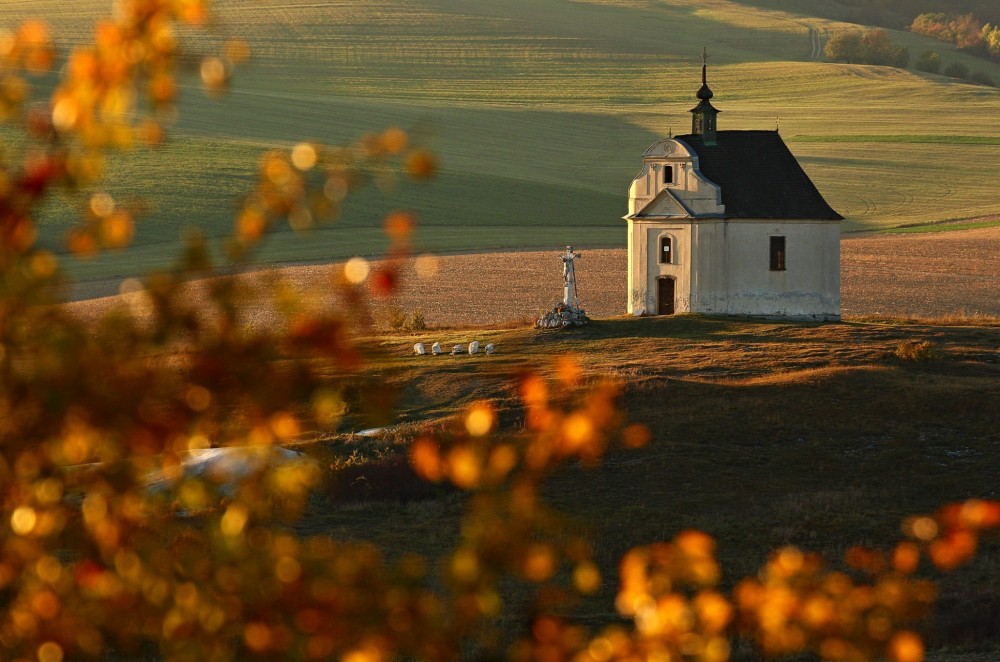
(703, 116)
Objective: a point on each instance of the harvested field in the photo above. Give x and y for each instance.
(938, 274)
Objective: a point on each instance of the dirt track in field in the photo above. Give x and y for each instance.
(914, 275)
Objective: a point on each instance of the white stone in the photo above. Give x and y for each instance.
(227, 466)
(436, 349)
(490, 348)
(474, 347)
(419, 350)
(458, 349)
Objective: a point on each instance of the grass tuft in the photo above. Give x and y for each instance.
(917, 351)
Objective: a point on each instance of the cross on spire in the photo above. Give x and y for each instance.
(703, 121)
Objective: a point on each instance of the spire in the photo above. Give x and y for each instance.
(705, 92)
(703, 121)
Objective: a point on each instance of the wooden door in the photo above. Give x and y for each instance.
(665, 296)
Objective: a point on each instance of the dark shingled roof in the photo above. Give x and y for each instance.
(759, 177)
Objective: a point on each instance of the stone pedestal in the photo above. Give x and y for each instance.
(561, 317)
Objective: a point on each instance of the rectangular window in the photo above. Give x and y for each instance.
(777, 253)
(668, 174)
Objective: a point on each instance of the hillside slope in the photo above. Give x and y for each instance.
(763, 435)
(540, 111)
(890, 13)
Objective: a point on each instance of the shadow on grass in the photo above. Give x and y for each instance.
(686, 327)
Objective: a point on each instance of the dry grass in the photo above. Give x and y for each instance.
(764, 434)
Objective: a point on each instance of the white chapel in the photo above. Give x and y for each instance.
(727, 222)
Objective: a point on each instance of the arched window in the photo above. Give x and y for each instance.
(666, 250)
(668, 174)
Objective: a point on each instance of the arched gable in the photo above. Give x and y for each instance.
(670, 169)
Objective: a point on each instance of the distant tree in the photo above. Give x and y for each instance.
(877, 48)
(990, 35)
(965, 31)
(956, 70)
(981, 78)
(929, 61)
(844, 47)
(930, 25)
(901, 57)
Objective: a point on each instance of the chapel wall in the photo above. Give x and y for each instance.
(732, 273)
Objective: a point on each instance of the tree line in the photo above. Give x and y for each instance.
(965, 31)
(866, 47)
(968, 33)
(876, 47)
(893, 14)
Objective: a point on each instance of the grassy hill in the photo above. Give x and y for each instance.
(764, 435)
(890, 13)
(539, 110)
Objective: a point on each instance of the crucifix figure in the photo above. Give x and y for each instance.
(567, 312)
(570, 297)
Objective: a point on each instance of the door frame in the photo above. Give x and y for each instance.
(672, 308)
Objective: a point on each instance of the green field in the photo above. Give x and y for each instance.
(539, 111)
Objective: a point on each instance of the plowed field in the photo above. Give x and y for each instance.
(908, 275)
(922, 275)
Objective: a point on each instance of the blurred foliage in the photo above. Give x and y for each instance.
(107, 542)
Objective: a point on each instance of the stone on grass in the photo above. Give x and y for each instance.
(474, 347)
(419, 350)
(436, 349)
(458, 349)
(490, 348)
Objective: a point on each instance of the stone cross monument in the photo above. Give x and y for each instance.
(567, 312)
(571, 297)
